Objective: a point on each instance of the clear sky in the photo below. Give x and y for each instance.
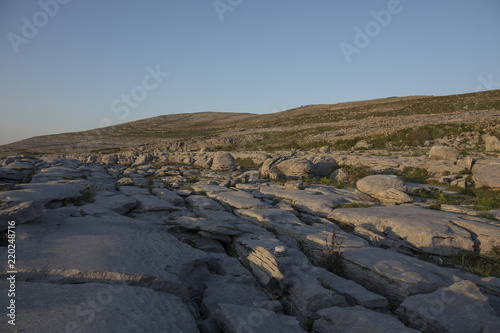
(80, 64)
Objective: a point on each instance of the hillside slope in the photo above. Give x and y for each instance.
(307, 126)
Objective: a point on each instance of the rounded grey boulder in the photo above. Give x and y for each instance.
(223, 161)
(385, 188)
(488, 176)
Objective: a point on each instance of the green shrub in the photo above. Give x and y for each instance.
(414, 175)
(430, 193)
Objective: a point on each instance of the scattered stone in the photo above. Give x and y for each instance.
(324, 150)
(362, 144)
(125, 181)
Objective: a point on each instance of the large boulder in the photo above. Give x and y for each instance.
(492, 143)
(295, 167)
(488, 176)
(385, 188)
(109, 159)
(269, 168)
(340, 176)
(323, 165)
(142, 159)
(443, 153)
(223, 161)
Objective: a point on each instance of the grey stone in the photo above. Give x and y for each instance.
(386, 188)
(95, 308)
(357, 320)
(125, 181)
(310, 201)
(239, 319)
(102, 250)
(324, 150)
(150, 202)
(362, 144)
(393, 275)
(28, 202)
(7, 173)
(169, 196)
(204, 162)
(294, 185)
(295, 167)
(142, 159)
(237, 291)
(443, 153)
(492, 143)
(323, 165)
(212, 226)
(458, 308)
(340, 176)
(239, 199)
(109, 159)
(223, 161)
(412, 227)
(488, 176)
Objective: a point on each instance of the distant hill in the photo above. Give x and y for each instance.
(304, 127)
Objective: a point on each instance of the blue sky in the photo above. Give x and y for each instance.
(78, 65)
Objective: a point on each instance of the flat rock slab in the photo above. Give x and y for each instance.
(25, 204)
(313, 202)
(91, 249)
(237, 319)
(357, 320)
(393, 275)
(107, 200)
(47, 307)
(235, 290)
(430, 231)
(239, 199)
(169, 196)
(201, 204)
(213, 226)
(150, 202)
(312, 237)
(460, 308)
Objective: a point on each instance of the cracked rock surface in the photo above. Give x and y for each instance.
(130, 243)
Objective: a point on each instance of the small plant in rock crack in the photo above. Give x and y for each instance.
(333, 252)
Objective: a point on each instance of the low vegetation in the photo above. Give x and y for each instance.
(487, 264)
(333, 252)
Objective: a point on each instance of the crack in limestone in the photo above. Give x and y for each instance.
(75, 276)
